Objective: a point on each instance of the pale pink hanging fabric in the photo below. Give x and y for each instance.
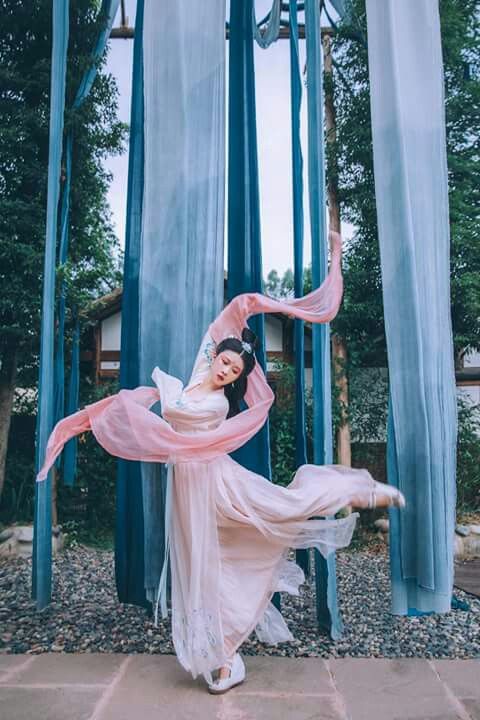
(230, 529)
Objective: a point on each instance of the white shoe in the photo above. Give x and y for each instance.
(237, 676)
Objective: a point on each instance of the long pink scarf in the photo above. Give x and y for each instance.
(124, 425)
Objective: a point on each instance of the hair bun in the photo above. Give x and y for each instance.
(249, 337)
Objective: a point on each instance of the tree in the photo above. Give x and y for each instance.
(282, 287)
(361, 318)
(93, 264)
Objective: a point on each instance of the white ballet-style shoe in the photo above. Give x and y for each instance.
(396, 498)
(236, 677)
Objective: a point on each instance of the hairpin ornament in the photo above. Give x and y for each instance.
(247, 347)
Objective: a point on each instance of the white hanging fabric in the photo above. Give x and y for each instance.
(181, 266)
(409, 146)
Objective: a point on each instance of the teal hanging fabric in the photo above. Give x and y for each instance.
(271, 29)
(107, 13)
(326, 585)
(181, 261)
(409, 147)
(244, 246)
(62, 258)
(42, 536)
(70, 450)
(129, 524)
(297, 186)
(302, 556)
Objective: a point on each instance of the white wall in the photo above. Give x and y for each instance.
(111, 329)
(273, 334)
(472, 359)
(111, 332)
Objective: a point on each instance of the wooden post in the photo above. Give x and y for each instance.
(54, 496)
(339, 349)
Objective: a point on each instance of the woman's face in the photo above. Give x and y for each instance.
(226, 368)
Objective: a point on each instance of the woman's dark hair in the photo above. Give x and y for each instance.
(236, 390)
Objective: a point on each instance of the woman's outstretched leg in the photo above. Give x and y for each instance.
(377, 495)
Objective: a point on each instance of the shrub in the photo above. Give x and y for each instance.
(468, 456)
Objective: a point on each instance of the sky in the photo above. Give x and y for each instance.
(272, 76)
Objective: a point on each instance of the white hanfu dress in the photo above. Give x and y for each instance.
(231, 529)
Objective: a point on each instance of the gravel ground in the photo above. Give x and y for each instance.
(85, 615)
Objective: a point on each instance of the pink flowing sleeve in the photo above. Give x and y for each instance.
(124, 425)
(319, 306)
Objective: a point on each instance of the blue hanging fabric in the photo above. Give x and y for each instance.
(59, 397)
(107, 12)
(302, 556)
(42, 536)
(271, 30)
(70, 450)
(181, 263)
(409, 147)
(129, 524)
(328, 614)
(244, 246)
(297, 185)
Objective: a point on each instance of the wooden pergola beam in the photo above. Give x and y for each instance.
(128, 33)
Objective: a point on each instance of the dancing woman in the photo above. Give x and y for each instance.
(230, 529)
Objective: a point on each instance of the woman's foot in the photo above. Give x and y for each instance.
(379, 495)
(231, 674)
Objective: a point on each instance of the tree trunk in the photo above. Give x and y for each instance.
(8, 376)
(54, 497)
(339, 351)
(344, 452)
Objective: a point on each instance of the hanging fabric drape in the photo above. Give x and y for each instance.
(129, 522)
(42, 536)
(181, 266)
(270, 31)
(326, 590)
(244, 244)
(107, 13)
(302, 556)
(408, 126)
(70, 452)
(297, 187)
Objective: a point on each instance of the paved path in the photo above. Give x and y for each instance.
(97, 686)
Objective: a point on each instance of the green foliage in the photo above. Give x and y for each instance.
(282, 425)
(93, 265)
(88, 508)
(90, 505)
(368, 404)
(468, 457)
(18, 496)
(282, 287)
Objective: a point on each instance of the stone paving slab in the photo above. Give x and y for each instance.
(403, 689)
(96, 686)
(289, 675)
(63, 703)
(11, 663)
(462, 680)
(157, 687)
(69, 669)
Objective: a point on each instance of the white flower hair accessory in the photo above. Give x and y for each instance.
(247, 347)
